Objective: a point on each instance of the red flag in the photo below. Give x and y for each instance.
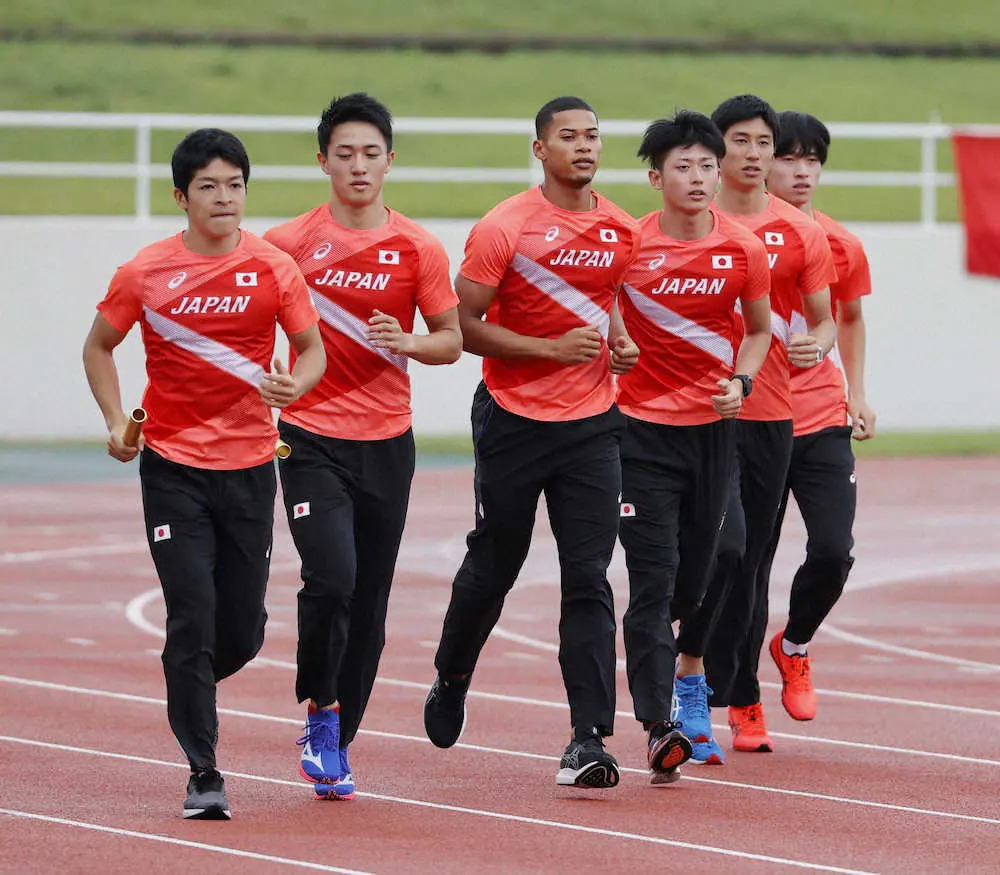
(977, 159)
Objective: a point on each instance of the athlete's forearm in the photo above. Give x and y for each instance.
(310, 365)
(851, 342)
(440, 347)
(753, 351)
(495, 341)
(102, 375)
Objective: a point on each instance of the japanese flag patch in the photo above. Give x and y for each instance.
(246, 279)
(774, 238)
(388, 256)
(628, 509)
(161, 533)
(300, 510)
(722, 262)
(609, 235)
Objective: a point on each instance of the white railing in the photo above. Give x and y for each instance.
(928, 178)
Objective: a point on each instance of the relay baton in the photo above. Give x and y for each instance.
(282, 450)
(133, 428)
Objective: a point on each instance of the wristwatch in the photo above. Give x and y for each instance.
(745, 382)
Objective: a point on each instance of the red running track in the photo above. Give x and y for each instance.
(898, 773)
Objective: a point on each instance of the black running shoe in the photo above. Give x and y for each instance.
(587, 764)
(444, 710)
(668, 749)
(206, 797)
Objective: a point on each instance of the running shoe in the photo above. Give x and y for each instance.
(668, 749)
(320, 760)
(749, 730)
(585, 763)
(206, 797)
(797, 693)
(444, 710)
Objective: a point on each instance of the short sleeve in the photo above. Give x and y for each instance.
(758, 282)
(818, 271)
(122, 305)
(435, 294)
(858, 281)
(296, 311)
(489, 251)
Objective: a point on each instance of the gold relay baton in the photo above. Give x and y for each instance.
(282, 450)
(133, 428)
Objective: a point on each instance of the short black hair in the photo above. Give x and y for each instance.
(559, 104)
(356, 107)
(200, 148)
(743, 108)
(802, 134)
(686, 128)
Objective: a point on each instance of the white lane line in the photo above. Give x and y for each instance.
(500, 632)
(200, 846)
(873, 643)
(72, 553)
(252, 715)
(419, 803)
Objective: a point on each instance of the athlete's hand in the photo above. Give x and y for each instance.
(804, 351)
(116, 446)
(279, 388)
(385, 332)
(862, 418)
(730, 402)
(624, 355)
(576, 346)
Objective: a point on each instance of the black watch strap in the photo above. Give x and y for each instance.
(745, 382)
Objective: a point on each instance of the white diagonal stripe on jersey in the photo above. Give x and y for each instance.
(798, 325)
(673, 323)
(562, 292)
(205, 348)
(779, 327)
(351, 326)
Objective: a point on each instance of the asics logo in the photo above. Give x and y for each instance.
(551, 234)
(177, 280)
(323, 251)
(658, 261)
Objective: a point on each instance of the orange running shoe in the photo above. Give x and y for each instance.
(797, 693)
(749, 731)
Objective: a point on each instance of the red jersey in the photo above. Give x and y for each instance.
(208, 328)
(679, 307)
(554, 270)
(397, 268)
(801, 264)
(818, 399)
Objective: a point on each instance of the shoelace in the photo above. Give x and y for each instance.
(801, 678)
(320, 735)
(696, 705)
(755, 714)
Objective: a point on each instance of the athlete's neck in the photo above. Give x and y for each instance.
(576, 200)
(366, 218)
(742, 202)
(807, 208)
(206, 244)
(686, 226)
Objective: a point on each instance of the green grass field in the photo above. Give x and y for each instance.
(859, 20)
(263, 81)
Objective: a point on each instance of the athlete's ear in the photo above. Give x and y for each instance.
(321, 160)
(389, 158)
(656, 179)
(180, 199)
(538, 149)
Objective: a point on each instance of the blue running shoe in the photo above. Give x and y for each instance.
(695, 719)
(320, 761)
(344, 788)
(707, 753)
